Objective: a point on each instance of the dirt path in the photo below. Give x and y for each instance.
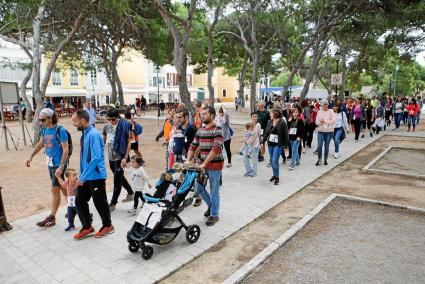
(26, 191)
(229, 255)
(352, 242)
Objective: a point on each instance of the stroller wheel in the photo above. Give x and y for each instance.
(133, 247)
(193, 233)
(147, 252)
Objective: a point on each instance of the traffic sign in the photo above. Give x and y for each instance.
(336, 79)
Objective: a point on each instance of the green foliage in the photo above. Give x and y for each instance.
(282, 78)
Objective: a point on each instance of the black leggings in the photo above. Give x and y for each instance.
(137, 195)
(228, 152)
(310, 132)
(357, 124)
(95, 189)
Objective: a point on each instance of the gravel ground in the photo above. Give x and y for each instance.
(403, 160)
(351, 242)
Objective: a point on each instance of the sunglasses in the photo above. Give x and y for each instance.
(42, 119)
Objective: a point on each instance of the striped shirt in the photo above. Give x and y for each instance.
(210, 139)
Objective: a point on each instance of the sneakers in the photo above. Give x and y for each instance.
(129, 197)
(247, 174)
(315, 152)
(49, 221)
(212, 220)
(336, 155)
(104, 231)
(269, 165)
(371, 135)
(326, 163)
(198, 202)
(207, 213)
(318, 163)
(362, 136)
(132, 211)
(291, 167)
(111, 207)
(272, 178)
(70, 228)
(276, 181)
(228, 165)
(260, 159)
(84, 233)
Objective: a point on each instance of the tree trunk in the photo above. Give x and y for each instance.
(241, 79)
(183, 87)
(317, 54)
(36, 64)
(211, 97)
(253, 94)
(119, 86)
(111, 80)
(23, 94)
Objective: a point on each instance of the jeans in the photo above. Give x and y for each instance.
(275, 152)
(295, 156)
(212, 199)
(411, 121)
(338, 133)
(95, 189)
(251, 163)
(71, 213)
(119, 181)
(397, 119)
(324, 137)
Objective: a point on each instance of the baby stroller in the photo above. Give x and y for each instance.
(156, 222)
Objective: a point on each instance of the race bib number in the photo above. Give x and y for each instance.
(49, 161)
(71, 201)
(262, 132)
(293, 131)
(273, 138)
(411, 112)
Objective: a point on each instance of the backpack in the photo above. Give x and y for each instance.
(70, 146)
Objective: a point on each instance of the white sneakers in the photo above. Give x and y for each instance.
(336, 155)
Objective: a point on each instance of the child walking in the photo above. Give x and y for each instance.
(246, 149)
(296, 134)
(138, 178)
(70, 184)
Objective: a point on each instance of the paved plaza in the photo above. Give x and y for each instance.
(32, 254)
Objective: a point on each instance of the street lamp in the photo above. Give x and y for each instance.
(338, 57)
(397, 67)
(157, 83)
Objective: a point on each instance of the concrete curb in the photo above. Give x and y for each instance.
(368, 167)
(260, 258)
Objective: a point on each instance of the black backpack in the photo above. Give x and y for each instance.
(70, 146)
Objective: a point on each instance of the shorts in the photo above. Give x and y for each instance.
(52, 171)
(363, 124)
(135, 146)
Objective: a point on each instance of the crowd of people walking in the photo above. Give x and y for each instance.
(204, 137)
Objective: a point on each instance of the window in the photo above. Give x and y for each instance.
(74, 78)
(224, 93)
(56, 78)
(160, 81)
(172, 79)
(93, 77)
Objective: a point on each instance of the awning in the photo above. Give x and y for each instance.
(279, 89)
(59, 92)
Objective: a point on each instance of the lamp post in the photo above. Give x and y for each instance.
(397, 67)
(338, 57)
(157, 83)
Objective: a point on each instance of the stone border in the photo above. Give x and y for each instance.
(261, 257)
(368, 167)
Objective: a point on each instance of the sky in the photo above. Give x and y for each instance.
(420, 58)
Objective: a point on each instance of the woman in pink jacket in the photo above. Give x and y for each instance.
(325, 121)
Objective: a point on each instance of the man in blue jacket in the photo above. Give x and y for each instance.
(92, 178)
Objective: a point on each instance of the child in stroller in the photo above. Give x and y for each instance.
(155, 223)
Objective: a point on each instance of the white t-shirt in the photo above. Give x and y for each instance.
(137, 178)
